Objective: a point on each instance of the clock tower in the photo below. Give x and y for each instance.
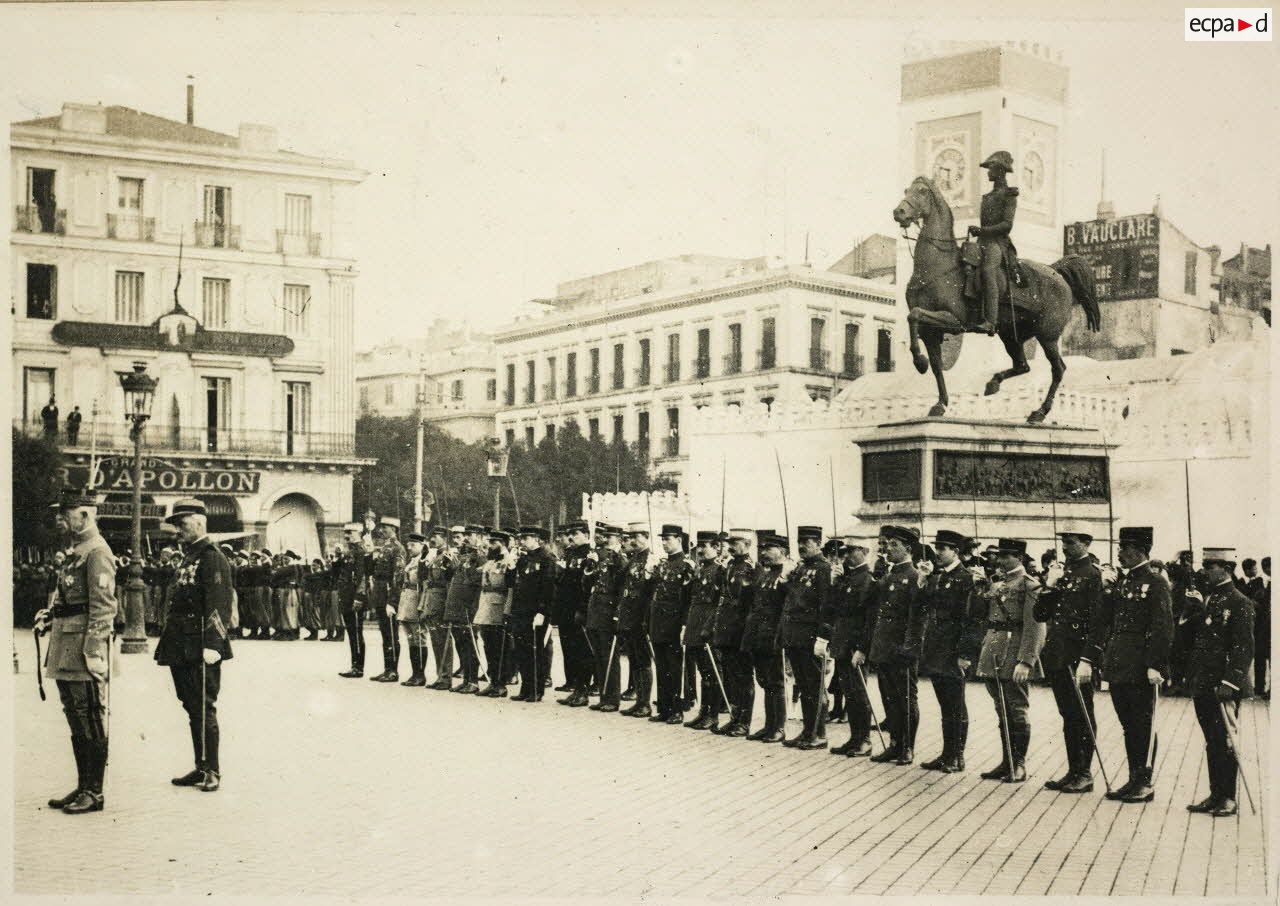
(959, 102)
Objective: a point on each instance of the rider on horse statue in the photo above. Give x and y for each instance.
(999, 262)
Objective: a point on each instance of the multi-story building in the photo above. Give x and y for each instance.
(629, 354)
(220, 262)
(1246, 279)
(448, 376)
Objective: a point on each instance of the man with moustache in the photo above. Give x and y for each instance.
(672, 586)
(348, 575)
(804, 632)
(896, 643)
(633, 615)
(852, 624)
(703, 598)
(726, 637)
(568, 614)
(388, 561)
(760, 632)
(461, 602)
(533, 585)
(605, 574)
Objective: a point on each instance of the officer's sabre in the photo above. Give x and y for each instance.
(1235, 754)
(782, 485)
(613, 646)
(716, 670)
(39, 673)
(870, 707)
(1004, 710)
(1088, 727)
(1151, 741)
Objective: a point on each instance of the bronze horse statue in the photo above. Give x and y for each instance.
(936, 302)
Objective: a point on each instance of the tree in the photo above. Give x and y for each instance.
(38, 477)
(548, 480)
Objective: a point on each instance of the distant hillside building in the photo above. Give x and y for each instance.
(873, 258)
(1246, 280)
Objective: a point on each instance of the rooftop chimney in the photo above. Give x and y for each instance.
(191, 101)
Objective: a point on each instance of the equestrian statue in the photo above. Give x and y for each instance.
(1016, 300)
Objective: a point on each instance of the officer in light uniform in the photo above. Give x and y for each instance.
(407, 611)
(84, 608)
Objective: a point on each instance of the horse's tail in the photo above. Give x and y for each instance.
(1079, 277)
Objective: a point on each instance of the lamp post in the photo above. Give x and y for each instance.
(139, 392)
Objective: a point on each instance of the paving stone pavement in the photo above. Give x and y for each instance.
(353, 788)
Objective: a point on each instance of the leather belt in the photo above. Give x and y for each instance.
(69, 610)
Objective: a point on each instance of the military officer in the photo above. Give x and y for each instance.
(704, 596)
(349, 575)
(1010, 656)
(569, 603)
(534, 584)
(491, 616)
(852, 594)
(633, 615)
(461, 602)
(81, 617)
(726, 637)
(407, 609)
(605, 573)
(1130, 640)
(1219, 676)
(441, 561)
(672, 589)
(194, 643)
(760, 634)
(951, 645)
(896, 642)
(388, 561)
(995, 223)
(1068, 603)
(804, 632)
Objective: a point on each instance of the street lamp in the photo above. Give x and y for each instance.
(139, 392)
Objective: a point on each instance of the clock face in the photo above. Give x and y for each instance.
(949, 171)
(1033, 173)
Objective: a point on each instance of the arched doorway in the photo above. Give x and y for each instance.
(223, 513)
(292, 525)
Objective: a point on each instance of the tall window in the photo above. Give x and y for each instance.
(768, 343)
(129, 302)
(593, 428)
(456, 391)
(41, 200)
(42, 291)
(817, 344)
(549, 392)
(618, 434)
(733, 361)
(643, 376)
(297, 414)
(389, 393)
(215, 294)
(593, 381)
(37, 390)
(297, 215)
(884, 349)
(296, 309)
(673, 432)
(491, 390)
(571, 374)
(673, 357)
(619, 376)
(130, 196)
(509, 396)
(217, 420)
(852, 361)
(702, 364)
(511, 437)
(364, 397)
(1189, 274)
(642, 432)
(530, 439)
(217, 215)
(530, 381)
(551, 431)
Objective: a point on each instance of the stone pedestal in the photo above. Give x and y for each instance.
(986, 479)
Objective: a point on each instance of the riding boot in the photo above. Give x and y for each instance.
(959, 734)
(77, 749)
(990, 308)
(417, 677)
(90, 798)
(775, 715)
(935, 764)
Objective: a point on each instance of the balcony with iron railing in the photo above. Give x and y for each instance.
(819, 359)
(39, 219)
(672, 372)
(766, 358)
(884, 363)
(298, 243)
(211, 234)
(131, 226)
(852, 367)
(158, 438)
(733, 363)
(702, 367)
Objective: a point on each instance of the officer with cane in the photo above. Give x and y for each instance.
(79, 655)
(1219, 678)
(804, 632)
(533, 585)
(605, 573)
(194, 642)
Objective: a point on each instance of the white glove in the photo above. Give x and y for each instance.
(593, 556)
(391, 612)
(539, 619)
(1194, 594)
(1053, 574)
(859, 659)
(1084, 673)
(1109, 575)
(211, 657)
(820, 648)
(42, 622)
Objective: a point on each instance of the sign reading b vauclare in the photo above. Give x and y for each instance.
(162, 477)
(1124, 253)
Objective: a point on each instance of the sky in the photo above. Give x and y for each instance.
(507, 153)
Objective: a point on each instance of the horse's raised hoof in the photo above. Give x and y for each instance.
(921, 363)
(1035, 418)
(993, 386)
(937, 411)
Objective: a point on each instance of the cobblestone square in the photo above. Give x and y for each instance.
(352, 788)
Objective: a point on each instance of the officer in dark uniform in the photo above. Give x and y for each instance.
(78, 658)
(851, 593)
(194, 642)
(672, 591)
(1219, 676)
(388, 561)
(531, 596)
(1131, 638)
(348, 576)
(570, 601)
(605, 573)
(1068, 604)
(699, 624)
(760, 634)
(633, 616)
(461, 602)
(726, 637)
(896, 643)
(954, 638)
(804, 631)
(995, 222)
